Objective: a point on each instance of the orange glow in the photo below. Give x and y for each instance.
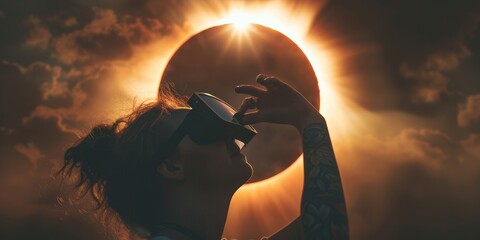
(267, 205)
(261, 208)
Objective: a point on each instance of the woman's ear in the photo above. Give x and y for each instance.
(171, 170)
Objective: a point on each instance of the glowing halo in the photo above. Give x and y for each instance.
(261, 208)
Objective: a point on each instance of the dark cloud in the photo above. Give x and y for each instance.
(106, 37)
(39, 35)
(471, 146)
(45, 104)
(46, 225)
(405, 48)
(424, 204)
(30, 23)
(96, 41)
(419, 184)
(25, 87)
(469, 113)
(70, 22)
(33, 203)
(170, 12)
(87, 48)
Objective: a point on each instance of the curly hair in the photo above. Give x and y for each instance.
(116, 165)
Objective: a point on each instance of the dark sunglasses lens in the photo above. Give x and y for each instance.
(202, 133)
(205, 135)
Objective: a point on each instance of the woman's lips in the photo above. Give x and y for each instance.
(238, 155)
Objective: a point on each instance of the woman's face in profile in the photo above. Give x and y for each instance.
(218, 165)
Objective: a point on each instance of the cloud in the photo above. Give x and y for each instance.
(87, 50)
(30, 155)
(400, 55)
(471, 145)
(48, 224)
(39, 35)
(430, 147)
(70, 22)
(31, 152)
(469, 113)
(417, 184)
(40, 90)
(96, 40)
(429, 77)
(107, 37)
(142, 30)
(24, 88)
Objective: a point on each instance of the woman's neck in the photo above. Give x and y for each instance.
(194, 213)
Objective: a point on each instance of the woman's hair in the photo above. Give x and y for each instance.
(116, 162)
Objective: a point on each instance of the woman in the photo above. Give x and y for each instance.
(184, 195)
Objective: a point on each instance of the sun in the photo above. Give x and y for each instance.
(239, 21)
(241, 26)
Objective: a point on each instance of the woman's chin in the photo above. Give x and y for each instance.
(248, 171)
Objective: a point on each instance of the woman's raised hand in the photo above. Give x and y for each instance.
(276, 102)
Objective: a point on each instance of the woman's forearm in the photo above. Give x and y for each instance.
(323, 210)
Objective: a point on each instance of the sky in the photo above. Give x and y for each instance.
(399, 87)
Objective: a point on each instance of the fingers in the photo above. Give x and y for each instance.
(249, 118)
(269, 82)
(248, 103)
(250, 90)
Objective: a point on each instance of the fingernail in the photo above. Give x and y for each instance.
(261, 77)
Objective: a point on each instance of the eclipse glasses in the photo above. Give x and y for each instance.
(210, 120)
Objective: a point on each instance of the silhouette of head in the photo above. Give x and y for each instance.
(119, 165)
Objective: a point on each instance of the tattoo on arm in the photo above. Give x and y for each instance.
(323, 210)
